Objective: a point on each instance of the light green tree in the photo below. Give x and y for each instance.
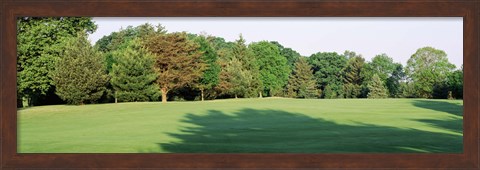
(376, 88)
(427, 67)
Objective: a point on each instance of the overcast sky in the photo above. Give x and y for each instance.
(398, 37)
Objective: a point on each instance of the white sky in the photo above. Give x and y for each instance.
(398, 37)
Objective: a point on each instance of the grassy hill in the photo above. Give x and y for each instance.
(267, 125)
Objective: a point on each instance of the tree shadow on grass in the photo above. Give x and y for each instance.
(441, 106)
(454, 124)
(275, 131)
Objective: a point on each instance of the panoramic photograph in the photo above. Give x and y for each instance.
(240, 85)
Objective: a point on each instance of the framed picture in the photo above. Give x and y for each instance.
(25, 145)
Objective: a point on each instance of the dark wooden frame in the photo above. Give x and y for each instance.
(468, 9)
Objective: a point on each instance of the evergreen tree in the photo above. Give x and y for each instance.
(249, 74)
(301, 83)
(79, 76)
(210, 77)
(329, 92)
(133, 77)
(177, 61)
(376, 88)
(352, 75)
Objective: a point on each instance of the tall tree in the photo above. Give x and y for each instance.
(39, 45)
(427, 67)
(301, 83)
(393, 82)
(273, 67)
(210, 76)
(79, 76)
(250, 74)
(352, 77)
(133, 77)
(377, 88)
(177, 61)
(328, 69)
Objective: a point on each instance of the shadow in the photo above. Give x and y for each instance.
(442, 106)
(454, 124)
(275, 131)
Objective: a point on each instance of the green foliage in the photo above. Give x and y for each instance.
(329, 92)
(247, 82)
(351, 90)
(133, 77)
(383, 66)
(79, 76)
(301, 83)
(178, 61)
(328, 70)
(273, 67)
(393, 82)
(39, 45)
(427, 67)
(455, 84)
(352, 75)
(210, 77)
(376, 88)
(291, 55)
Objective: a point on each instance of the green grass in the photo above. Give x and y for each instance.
(268, 125)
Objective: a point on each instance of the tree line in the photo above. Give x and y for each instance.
(57, 64)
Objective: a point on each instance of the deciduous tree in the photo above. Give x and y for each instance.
(427, 67)
(273, 67)
(177, 61)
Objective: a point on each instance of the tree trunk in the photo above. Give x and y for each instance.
(116, 97)
(236, 97)
(164, 95)
(260, 93)
(202, 93)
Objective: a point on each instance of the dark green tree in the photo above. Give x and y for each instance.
(393, 82)
(132, 75)
(427, 67)
(273, 67)
(351, 76)
(377, 88)
(328, 70)
(291, 55)
(210, 77)
(79, 76)
(301, 83)
(39, 45)
(455, 83)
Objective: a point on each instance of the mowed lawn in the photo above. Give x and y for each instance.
(268, 125)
